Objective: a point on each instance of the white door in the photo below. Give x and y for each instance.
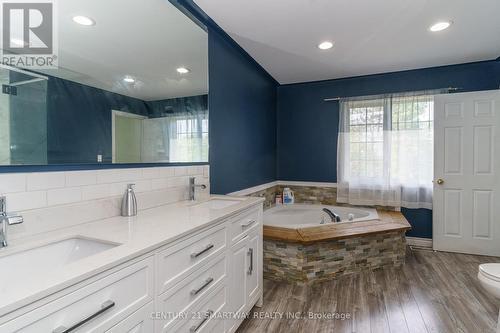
(466, 213)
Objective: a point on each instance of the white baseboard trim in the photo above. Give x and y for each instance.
(420, 242)
(265, 186)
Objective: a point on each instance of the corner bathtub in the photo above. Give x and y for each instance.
(302, 245)
(298, 216)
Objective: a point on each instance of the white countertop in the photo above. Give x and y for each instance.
(138, 235)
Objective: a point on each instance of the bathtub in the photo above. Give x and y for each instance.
(302, 245)
(305, 215)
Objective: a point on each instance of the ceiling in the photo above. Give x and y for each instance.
(145, 39)
(370, 36)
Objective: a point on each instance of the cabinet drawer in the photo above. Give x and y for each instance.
(138, 322)
(187, 292)
(180, 260)
(196, 321)
(107, 301)
(244, 223)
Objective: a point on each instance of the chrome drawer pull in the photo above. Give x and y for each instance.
(195, 328)
(197, 254)
(197, 291)
(250, 269)
(104, 307)
(247, 223)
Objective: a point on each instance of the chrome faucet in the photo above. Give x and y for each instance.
(5, 220)
(333, 216)
(192, 187)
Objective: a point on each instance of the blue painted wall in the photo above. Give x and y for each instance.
(242, 104)
(79, 121)
(308, 126)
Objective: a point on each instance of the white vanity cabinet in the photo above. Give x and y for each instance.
(245, 258)
(138, 322)
(91, 307)
(191, 285)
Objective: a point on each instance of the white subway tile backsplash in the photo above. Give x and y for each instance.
(139, 186)
(167, 172)
(195, 171)
(99, 191)
(118, 175)
(63, 196)
(52, 200)
(180, 171)
(56, 217)
(161, 197)
(143, 185)
(26, 200)
(118, 189)
(80, 178)
(178, 182)
(150, 173)
(160, 183)
(45, 180)
(12, 183)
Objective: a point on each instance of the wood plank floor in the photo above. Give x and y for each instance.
(433, 292)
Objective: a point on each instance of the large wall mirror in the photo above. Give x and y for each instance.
(131, 87)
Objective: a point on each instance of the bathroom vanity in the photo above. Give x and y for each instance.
(184, 267)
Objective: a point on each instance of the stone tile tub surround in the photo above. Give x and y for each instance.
(53, 200)
(325, 260)
(325, 252)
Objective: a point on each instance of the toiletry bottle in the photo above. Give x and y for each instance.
(288, 198)
(278, 199)
(129, 202)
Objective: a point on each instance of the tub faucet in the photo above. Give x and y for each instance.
(5, 220)
(333, 216)
(193, 186)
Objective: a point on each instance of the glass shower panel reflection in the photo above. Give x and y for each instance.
(4, 120)
(23, 118)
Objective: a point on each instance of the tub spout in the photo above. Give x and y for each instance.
(333, 216)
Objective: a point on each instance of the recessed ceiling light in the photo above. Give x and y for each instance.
(440, 26)
(183, 70)
(325, 45)
(83, 20)
(129, 79)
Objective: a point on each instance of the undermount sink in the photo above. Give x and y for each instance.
(219, 203)
(30, 264)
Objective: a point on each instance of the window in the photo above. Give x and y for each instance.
(385, 151)
(189, 138)
(366, 139)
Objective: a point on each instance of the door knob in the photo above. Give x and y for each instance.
(440, 181)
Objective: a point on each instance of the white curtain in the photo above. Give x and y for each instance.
(385, 150)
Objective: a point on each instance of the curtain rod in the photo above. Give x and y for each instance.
(332, 99)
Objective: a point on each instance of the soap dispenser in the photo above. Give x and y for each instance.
(129, 202)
